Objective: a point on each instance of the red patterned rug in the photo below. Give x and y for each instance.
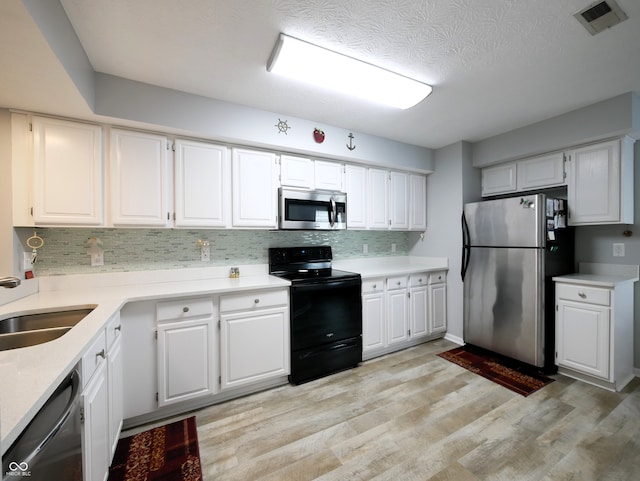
(513, 375)
(168, 453)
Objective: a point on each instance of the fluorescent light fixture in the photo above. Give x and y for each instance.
(309, 63)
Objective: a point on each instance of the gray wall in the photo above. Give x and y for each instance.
(610, 118)
(453, 183)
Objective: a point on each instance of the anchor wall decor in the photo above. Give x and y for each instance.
(350, 145)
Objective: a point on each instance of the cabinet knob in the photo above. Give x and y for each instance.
(398, 283)
(118, 327)
(185, 309)
(375, 286)
(256, 301)
(420, 280)
(582, 295)
(101, 354)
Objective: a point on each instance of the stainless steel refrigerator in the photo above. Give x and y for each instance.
(511, 249)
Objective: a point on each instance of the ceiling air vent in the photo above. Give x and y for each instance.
(601, 16)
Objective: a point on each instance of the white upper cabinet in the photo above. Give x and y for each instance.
(398, 200)
(499, 179)
(296, 172)
(356, 189)
(328, 175)
(139, 179)
(68, 170)
(254, 177)
(600, 184)
(541, 172)
(202, 184)
(377, 186)
(417, 202)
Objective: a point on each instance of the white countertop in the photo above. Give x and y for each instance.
(30, 375)
(601, 275)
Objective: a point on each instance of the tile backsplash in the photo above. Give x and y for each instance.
(65, 249)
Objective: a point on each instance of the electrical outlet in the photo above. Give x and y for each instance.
(97, 259)
(205, 253)
(393, 247)
(365, 248)
(26, 261)
(618, 250)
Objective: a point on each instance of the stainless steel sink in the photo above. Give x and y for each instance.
(32, 329)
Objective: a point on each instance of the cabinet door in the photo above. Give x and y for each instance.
(542, 171)
(499, 179)
(68, 183)
(582, 338)
(356, 189)
(139, 179)
(202, 185)
(437, 308)
(185, 361)
(417, 202)
(397, 316)
(254, 346)
(95, 429)
(116, 393)
(296, 172)
(373, 322)
(594, 184)
(377, 216)
(254, 177)
(398, 200)
(328, 175)
(418, 311)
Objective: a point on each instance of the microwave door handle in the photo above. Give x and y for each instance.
(332, 212)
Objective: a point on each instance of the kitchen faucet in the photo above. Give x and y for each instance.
(9, 282)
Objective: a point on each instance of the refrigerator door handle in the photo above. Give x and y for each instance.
(466, 251)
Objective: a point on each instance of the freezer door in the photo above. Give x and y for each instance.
(512, 222)
(504, 302)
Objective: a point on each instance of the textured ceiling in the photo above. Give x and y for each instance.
(495, 65)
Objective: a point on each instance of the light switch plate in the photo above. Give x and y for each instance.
(618, 250)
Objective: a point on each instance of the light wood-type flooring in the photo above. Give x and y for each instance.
(414, 416)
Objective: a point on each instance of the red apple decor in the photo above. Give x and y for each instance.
(318, 135)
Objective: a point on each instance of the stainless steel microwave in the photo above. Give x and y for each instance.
(312, 209)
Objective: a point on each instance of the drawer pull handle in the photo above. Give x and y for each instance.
(256, 301)
(185, 309)
(118, 327)
(101, 354)
(582, 295)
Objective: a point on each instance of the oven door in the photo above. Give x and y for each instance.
(325, 312)
(312, 210)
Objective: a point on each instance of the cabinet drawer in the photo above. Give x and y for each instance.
(184, 309)
(592, 295)
(93, 356)
(253, 300)
(437, 277)
(417, 280)
(398, 282)
(372, 285)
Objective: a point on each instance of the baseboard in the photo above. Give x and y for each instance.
(456, 339)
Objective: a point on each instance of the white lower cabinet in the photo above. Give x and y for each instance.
(401, 311)
(185, 350)
(101, 401)
(254, 337)
(594, 333)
